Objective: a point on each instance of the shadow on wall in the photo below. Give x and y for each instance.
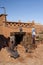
(3, 41)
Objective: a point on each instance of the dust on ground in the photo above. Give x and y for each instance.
(34, 58)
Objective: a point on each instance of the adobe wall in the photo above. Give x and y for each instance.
(14, 27)
(2, 20)
(39, 28)
(7, 27)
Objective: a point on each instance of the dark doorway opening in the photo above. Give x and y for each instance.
(18, 37)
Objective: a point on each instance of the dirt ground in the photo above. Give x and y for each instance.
(34, 58)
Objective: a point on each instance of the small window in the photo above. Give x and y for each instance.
(10, 24)
(6, 24)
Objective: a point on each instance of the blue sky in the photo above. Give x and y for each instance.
(24, 10)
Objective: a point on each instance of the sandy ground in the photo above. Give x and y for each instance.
(34, 58)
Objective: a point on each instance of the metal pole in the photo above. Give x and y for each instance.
(4, 12)
(4, 9)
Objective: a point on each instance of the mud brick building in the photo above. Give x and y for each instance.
(6, 27)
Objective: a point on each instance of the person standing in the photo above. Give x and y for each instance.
(20, 28)
(33, 35)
